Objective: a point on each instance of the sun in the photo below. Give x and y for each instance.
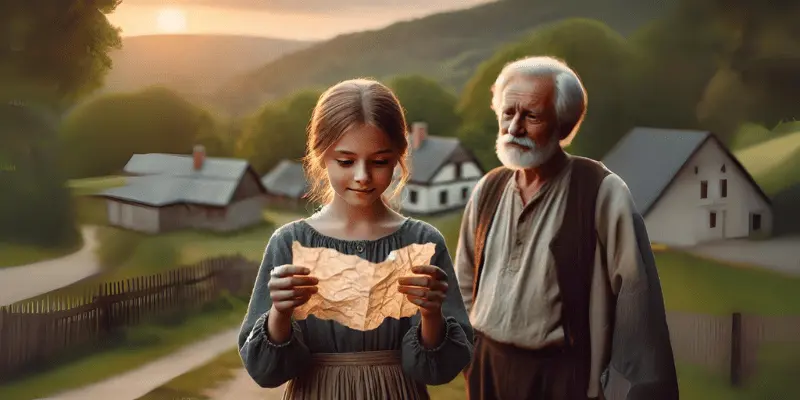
(171, 20)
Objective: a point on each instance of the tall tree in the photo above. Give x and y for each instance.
(426, 100)
(52, 53)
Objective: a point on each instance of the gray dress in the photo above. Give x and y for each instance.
(272, 365)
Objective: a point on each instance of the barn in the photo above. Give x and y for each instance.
(689, 187)
(168, 192)
(286, 185)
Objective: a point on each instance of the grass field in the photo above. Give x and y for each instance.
(138, 346)
(773, 163)
(85, 186)
(12, 255)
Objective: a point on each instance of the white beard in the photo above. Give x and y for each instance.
(514, 157)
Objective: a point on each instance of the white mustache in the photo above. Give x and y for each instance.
(522, 141)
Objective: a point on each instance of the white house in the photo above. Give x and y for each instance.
(443, 173)
(689, 187)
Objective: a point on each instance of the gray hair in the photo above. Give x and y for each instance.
(570, 96)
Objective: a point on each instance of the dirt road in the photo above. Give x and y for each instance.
(138, 382)
(26, 281)
(780, 254)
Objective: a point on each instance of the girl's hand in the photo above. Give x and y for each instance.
(290, 287)
(427, 290)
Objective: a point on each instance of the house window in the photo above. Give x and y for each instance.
(464, 193)
(703, 189)
(458, 170)
(443, 197)
(756, 221)
(412, 196)
(712, 220)
(723, 168)
(723, 188)
(695, 170)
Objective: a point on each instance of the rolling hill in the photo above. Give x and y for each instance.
(193, 65)
(447, 46)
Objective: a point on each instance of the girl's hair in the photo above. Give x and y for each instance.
(344, 106)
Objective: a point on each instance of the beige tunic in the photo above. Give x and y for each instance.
(518, 301)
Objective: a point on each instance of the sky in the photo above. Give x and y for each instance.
(291, 19)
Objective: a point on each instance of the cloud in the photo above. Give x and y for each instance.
(317, 6)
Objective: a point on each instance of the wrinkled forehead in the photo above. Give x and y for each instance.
(527, 92)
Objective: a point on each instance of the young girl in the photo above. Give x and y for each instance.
(357, 137)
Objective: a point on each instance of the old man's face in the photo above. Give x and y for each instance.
(528, 134)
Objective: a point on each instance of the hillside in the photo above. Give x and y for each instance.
(190, 64)
(447, 46)
(763, 158)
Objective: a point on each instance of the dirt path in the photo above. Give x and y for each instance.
(23, 282)
(138, 382)
(242, 387)
(780, 254)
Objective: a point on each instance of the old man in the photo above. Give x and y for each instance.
(553, 260)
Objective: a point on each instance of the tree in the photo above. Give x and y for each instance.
(599, 55)
(57, 51)
(278, 131)
(426, 100)
(100, 136)
(35, 206)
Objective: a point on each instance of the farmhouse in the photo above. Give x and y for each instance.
(166, 192)
(689, 187)
(286, 184)
(443, 173)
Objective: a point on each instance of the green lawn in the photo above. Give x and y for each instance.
(773, 163)
(140, 345)
(86, 186)
(12, 255)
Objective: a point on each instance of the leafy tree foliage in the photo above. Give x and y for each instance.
(35, 207)
(278, 131)
(426, 100)
(100, 136)
(56, 51)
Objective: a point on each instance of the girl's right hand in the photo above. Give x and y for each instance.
(290, 287)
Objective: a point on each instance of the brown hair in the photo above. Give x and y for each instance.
(342, 107)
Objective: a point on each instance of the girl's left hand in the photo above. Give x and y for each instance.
(427, 291)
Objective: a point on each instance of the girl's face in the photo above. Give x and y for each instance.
(360, 165)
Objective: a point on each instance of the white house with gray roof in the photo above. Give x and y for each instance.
(166, 192)
(689, 187)
(443, 173)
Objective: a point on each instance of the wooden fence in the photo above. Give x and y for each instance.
(34, 332)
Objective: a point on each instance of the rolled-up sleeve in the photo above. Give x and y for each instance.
(270, 364)
(443, 363)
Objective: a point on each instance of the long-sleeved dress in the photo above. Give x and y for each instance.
(309, 359)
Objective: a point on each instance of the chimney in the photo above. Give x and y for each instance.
(419, 132)
(199, 155)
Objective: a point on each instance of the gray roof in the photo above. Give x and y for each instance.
(287, 179)
(163, 190)
(648, 159)
(164, 179)
(431, 155)
(182, 165)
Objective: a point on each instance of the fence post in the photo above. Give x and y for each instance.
(736, 349)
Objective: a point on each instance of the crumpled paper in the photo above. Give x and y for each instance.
(355, 292)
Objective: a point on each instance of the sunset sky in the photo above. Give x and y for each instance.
(294, 19)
